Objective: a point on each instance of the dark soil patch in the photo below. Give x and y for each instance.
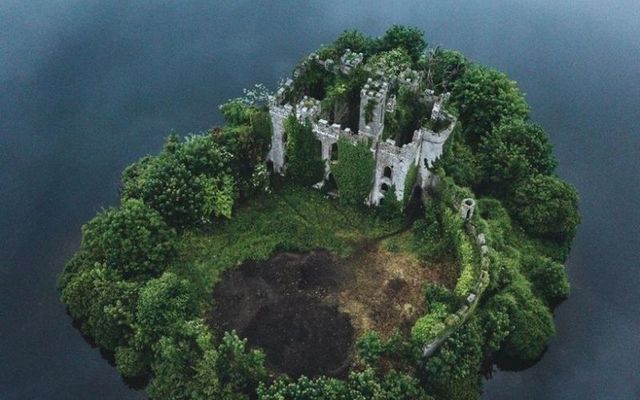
(282, 306)
(306, 309)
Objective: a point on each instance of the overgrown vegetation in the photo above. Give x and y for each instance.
(140, 283)
(353, 171)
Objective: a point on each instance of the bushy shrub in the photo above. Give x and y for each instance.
(353, 40)
(465, 256)
(132, 239)
(103, 303)
(531, 321)
(452, 372)
(410, 39)
(429, 326)
(549, 278)
(363, 385)
(458, 161)
(546, 206)
(370, 347)
(512, 152)
(484, 97)
(188, 183)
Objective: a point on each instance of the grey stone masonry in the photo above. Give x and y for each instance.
(373, 100)
(276, 154)
(392, 162)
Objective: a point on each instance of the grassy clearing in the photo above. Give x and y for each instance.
(292, 219)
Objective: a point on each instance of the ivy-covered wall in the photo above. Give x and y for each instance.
(303, 152)
(354, 171)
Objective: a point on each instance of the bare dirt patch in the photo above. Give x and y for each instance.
(305, 310)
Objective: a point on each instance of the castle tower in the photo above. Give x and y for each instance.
(373, 99)
(276, 154)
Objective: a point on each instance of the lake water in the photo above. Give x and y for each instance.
(87, 87)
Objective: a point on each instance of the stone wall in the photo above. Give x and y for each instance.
(455, 320)
(276, 154)
(392, 167)
(373, 95)
(392, 162)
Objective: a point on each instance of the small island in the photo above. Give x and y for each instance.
(386, 225)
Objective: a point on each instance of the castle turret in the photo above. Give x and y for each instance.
(373, 100)
(276, 154)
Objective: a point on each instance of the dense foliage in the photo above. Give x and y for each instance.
(141, 281)
(485, 97)
(353, 171)
(304, 164)
(513, 151)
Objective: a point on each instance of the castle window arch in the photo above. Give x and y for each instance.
(387, 172)
(334, 152)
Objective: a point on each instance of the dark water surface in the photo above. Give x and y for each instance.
(86, 87)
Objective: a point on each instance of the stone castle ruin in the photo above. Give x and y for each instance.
(393, 161)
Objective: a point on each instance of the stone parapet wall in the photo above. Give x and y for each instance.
(455, 320)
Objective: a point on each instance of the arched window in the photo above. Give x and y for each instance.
(384, 188)
(334, 152)
(387, 172)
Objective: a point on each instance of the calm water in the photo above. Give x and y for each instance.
(86, 87)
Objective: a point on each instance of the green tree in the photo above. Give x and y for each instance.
(546, 206)
(531, 322)
(184, 365)
(409, 38)
(103, 303)
(353, 172)
(182, 198)
(549, 278)
(239, 368)
(512, 152)
(444, 68)
(304, 163)
(458, 160)
(484, 97)
(452, 372)
(164, 303)
(354, 40)
(132, 239)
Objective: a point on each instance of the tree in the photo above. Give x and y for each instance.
(103, 303)
(164, 303)
(353, 172)
(248, 138)
(444, 67)
(546, 206)
(353, 40)
(132, 239)
(184, 365)
(239, 368)
(452, 372)
(409, 38)
(170, 184)
(531, 322)
(512, 152)
(549, 278)
(458, 161)
(484, 97)
(304, 163)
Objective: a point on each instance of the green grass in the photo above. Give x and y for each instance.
(292, 219)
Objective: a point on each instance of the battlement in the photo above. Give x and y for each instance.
(307, 108)
(377, 97)
(350, 61)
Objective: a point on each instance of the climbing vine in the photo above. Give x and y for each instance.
(353, 171)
